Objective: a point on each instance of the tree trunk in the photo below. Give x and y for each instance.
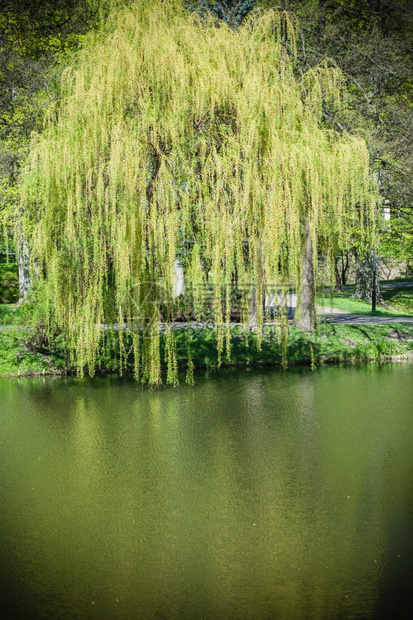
(344, 269)
(305, 313)
(178, 280)
(23, 262)
(253, 318)
(340, 270)
(337, 275)
(257, 306)
(364, 281)
(257, 302)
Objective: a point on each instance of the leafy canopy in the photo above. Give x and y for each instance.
(177, 132)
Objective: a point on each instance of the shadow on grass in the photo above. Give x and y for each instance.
(401, 298)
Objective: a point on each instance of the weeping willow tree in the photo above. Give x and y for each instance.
(176, 131)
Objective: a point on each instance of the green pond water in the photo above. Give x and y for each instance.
(258, 495)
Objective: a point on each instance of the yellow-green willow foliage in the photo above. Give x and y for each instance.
(176, 132)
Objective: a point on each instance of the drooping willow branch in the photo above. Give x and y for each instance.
(172, 128)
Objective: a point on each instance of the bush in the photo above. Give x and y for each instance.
(9, 283)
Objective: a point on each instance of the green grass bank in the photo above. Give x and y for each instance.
(23, 353)
(399, 302)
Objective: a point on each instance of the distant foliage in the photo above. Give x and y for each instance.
(178, 136)
(9, 283)
(232, 12)
(371, 42)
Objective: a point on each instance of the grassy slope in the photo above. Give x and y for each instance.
(345, 343)
(399, 300)
(332, 343)
(15, 356)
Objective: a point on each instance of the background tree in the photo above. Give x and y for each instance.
(371, 42)
(35, 39)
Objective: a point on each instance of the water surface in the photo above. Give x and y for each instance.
(253, 494)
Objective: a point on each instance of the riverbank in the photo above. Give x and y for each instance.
(351, 344)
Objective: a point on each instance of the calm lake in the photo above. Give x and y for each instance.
(252, 495)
